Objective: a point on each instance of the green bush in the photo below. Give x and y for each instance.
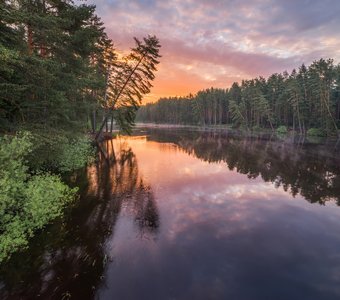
(60, 152)
(315, 132)
(75, 154)
(282, 130)
(27, 202)
(257, 128)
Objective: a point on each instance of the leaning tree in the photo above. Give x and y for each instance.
(128, 81)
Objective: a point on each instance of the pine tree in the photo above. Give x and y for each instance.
(130, 81)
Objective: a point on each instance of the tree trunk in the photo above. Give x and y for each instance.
(326, 100)
(111, 125)
(94, 122)
(101, 128)
(29, 39)
(106, 126)
(120, 91)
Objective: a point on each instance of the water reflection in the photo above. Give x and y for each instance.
(312, 171)
(171, 214)
(225, 234)
(69, 259)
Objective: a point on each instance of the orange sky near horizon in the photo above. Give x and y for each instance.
(213, 43)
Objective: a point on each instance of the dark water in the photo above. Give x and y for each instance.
(175, 214)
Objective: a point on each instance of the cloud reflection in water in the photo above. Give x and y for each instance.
(224, 235)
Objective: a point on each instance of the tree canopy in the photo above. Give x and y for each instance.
(58, 66)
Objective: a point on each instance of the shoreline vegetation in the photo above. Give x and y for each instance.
(266, 133)
(59, 75)
(306, 101)
(239, 131)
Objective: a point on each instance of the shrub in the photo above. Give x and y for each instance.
(282, 130)
(257, 128)
(60, 152)
(75, 154)
(27, 202)
(315, 132)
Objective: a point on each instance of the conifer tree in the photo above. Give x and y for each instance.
(129, 81)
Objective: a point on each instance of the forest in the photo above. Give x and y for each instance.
(306, 101)
(60, 78)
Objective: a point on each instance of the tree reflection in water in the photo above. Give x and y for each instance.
(299, 166)
(68, 259)
(71, 258)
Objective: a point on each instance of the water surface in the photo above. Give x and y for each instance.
(178, 214)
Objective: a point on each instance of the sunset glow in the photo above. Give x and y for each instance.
(214, 43)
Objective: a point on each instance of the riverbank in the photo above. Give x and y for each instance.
(289, 135)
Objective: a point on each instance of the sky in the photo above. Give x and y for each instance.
(213, 43)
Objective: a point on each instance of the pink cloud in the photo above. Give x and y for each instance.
(242, 38)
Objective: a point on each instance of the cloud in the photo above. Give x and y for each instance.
(207, 42)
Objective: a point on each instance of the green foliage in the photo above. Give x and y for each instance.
(27, 202)
(315, 132)
(282, 129)
(174, 110)
(256, 128)
(207, 108)
(57, 68)
(52, 69)
(75, 154)
(46, 197)
(13, 171)
(59, 151)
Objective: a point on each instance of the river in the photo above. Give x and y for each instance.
(184, 214)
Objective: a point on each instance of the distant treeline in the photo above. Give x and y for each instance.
(307, 98)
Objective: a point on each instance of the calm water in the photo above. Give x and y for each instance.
(176, 214)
